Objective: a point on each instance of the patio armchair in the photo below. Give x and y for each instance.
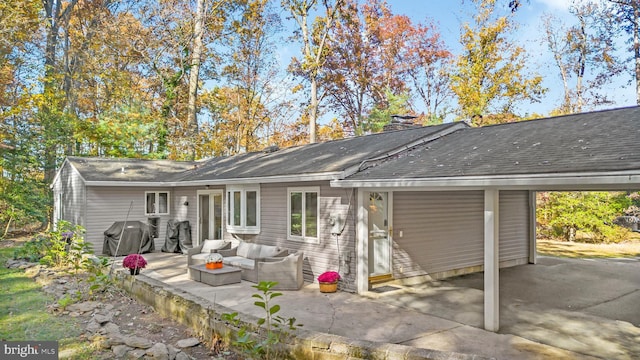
(286, 271)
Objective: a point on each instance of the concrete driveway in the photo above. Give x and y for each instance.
(587, 306)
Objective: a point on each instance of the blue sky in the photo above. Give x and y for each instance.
(449, 15)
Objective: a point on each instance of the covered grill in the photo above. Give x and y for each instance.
(135, 239)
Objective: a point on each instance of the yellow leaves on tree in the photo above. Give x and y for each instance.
(490, 74)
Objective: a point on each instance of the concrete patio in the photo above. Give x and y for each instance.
(557, 309)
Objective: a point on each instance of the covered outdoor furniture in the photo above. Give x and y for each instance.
(198, 255)
(134, 240)
(177, 237)
(246, 256)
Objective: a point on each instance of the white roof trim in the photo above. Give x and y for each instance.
(567, 181)
(256, 180)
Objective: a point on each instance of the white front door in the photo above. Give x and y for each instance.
(209, 215)
(379, 239)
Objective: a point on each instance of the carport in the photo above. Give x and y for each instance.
(597, 151)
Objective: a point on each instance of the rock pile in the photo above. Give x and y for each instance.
(106, 334)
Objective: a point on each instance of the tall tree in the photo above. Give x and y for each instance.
(375, 53)
(584, 55)
(167, 44)
(243, 109)
(429, 71)
(20, 20)
(194, 71)
(314, 36)
(627, 12)
(349, 74)
(490, 74)
(57, 15)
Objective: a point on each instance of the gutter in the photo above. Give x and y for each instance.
(568, 181)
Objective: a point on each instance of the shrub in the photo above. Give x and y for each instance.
(263, 345)
(586, 216)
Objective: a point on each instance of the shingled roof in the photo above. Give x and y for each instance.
(596, 142)
(327, 160)
(331, 157)
(128, 170)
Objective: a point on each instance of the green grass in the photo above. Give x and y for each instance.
(23, 314)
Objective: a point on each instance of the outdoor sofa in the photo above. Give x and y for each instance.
(266, 263)
(258, 262)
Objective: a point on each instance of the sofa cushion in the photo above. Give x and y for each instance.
(244, 248)
(239, 261)
(209, 245)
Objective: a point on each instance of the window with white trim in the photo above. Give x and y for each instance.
(156, 202)
(302, 213)
(243, 209)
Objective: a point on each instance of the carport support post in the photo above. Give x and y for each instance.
(532, 228)
(491, 263)
(362, 247)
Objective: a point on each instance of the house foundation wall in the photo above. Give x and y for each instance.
(441, 275)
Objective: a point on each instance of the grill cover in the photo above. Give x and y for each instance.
(135, 237)
(177, 237)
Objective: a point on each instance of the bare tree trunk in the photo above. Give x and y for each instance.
(581, 66)
(557, 55)
(54, 16)
(636, 46)
(194, 73)
(313, 52)
(313, 110)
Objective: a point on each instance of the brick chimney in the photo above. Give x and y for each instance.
(401, 122)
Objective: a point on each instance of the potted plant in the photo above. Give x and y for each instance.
(134, 262)
(328, 281)
(214, 261)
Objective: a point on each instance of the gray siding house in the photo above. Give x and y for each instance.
(407, 205)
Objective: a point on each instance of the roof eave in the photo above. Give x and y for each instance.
(621, 180)
(236, 181)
